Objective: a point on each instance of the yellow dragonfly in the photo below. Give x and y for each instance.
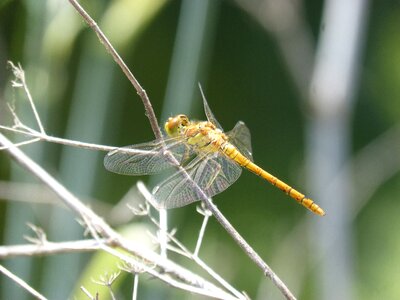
(212, 158)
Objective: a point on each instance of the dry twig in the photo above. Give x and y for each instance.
(22, 283)
(96, 225)
(193, 283)
(253, 255)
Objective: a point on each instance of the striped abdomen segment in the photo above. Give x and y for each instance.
(234, 154)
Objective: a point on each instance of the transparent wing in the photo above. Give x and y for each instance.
(240, 137)
(208, 112)
(148, 158)
(213, 174)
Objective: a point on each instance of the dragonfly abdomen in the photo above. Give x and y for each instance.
(232, 152)
(293, 193)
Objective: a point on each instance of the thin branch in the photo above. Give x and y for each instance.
(166, 278)
(370, 167)
(224, 222)
(135, 286)
(182, 250)
(248, 249)
(87, 293)
(107, 280)
(83, 211)
(146, 194)
(113, 238)
(22, 283)
(20, 82)
(163, 217)
(251, 253)
(51, 139)
(206, 213)
(162, 236)
(141, 92)
(49, 248)
(154, 124)
(31, 141)
(15, 130)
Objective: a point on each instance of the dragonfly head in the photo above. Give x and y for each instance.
(173, 126)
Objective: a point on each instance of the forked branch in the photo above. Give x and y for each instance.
(96, 224)
(111, 239)
(153, 121)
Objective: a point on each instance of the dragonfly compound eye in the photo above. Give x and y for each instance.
(174, 125)
(184, 120)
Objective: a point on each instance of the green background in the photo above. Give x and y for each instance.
(82, 95)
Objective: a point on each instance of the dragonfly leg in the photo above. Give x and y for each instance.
(212, 178)
(186, 155)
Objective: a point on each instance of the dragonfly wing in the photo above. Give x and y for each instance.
(148, 158)
(208, 112)
(212, 174)
(240, 137)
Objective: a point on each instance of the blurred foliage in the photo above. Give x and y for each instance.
(245, 79)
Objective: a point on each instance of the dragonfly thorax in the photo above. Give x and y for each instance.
(176, 125)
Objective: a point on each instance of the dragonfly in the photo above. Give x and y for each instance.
(212, 159)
